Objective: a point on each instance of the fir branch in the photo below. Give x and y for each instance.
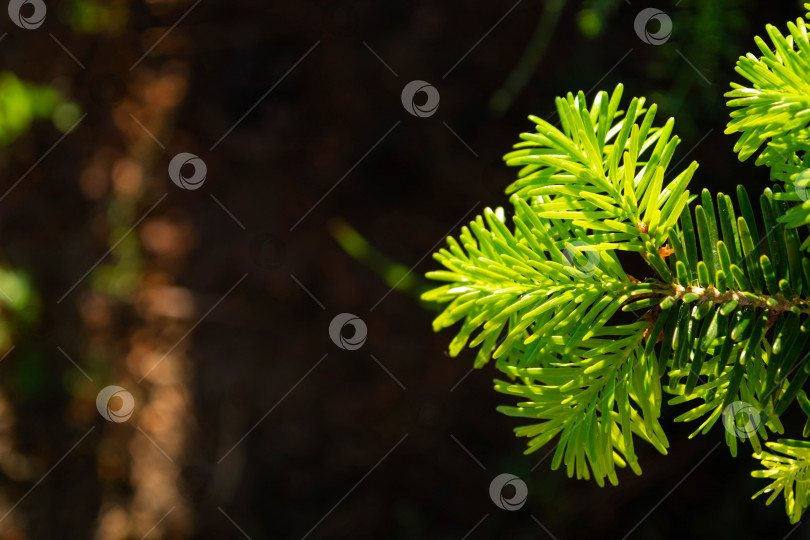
(722, 315)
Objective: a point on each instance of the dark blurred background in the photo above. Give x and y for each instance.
(323, 196)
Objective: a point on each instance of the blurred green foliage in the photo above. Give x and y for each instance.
(395, 275)
(20, 305)
(120, 277)
(594, 16)
(93, 17)
(21, 103)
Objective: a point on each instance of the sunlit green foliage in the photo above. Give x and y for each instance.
(789, 475)
(720, 320)
(775, 113)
